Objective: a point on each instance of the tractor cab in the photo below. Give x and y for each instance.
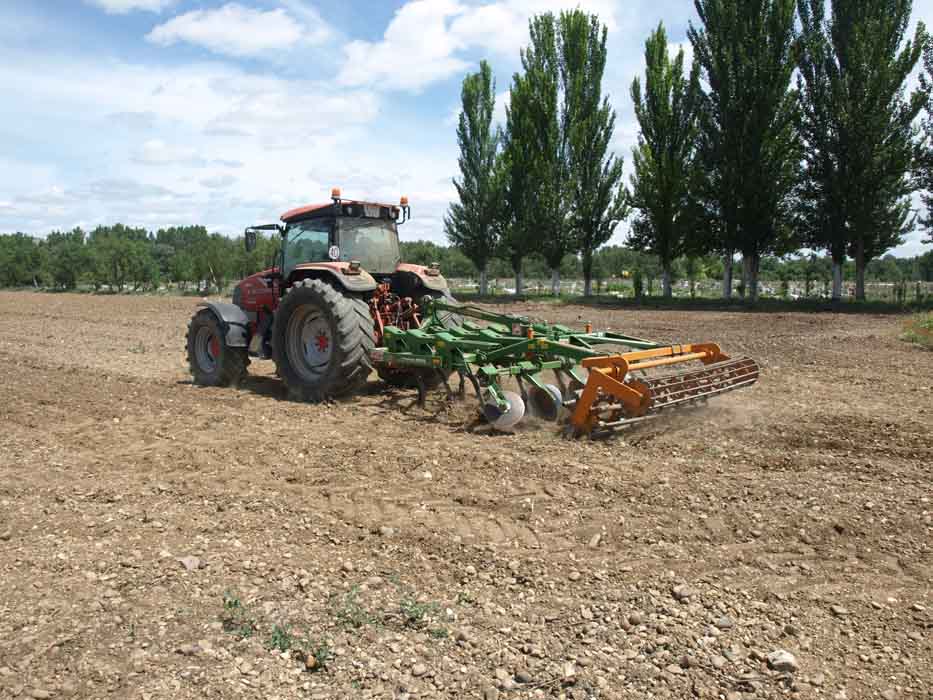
(355, 234)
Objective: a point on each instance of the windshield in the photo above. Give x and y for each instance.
(307, 241)
(374, 242)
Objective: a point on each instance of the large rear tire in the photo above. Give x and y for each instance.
(210, 360)
(321, 340)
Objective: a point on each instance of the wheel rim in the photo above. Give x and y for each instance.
(310, 342)
(207, 349)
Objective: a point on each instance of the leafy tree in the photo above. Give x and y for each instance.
(67, 257)
(856, 65)
(747, 50)
(470, 222)
(534, 162)
(121, 256)
(20, 261)
(546, 73)
(520, 167)
(667, 114)
(598, 201)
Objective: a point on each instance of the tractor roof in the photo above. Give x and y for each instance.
(311, 210)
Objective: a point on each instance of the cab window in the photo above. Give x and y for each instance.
(307, 241)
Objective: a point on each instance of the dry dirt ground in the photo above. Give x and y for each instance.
(161, 540)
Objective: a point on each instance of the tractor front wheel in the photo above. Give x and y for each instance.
(210, 360)
(321, 340)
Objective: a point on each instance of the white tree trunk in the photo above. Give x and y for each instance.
(519, 283)
(666, 283)
(750, 265)
(555, 282)
(588, 287)
(483, 282)
(727, 276)
(837, 281)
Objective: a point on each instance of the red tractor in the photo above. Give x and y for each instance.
(318, 312)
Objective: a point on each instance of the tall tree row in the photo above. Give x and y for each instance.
(734, 156)
(557, 183)
(859, 127)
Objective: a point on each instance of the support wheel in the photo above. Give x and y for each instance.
(321, 340)
(210, 360)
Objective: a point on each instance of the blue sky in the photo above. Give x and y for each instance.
(161, 112)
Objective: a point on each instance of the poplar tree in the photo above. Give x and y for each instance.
(597, 201)
(520, 169)
(747, 50)
(667, 115)
(547, 137)
(470, 223)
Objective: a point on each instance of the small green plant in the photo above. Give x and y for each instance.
(139, 348)
(415, 614)
(349, 612)
(236, 617)
(280, 639)
(439, 632)
(920, 330)
(464, 598)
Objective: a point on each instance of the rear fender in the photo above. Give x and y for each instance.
(233, 320)
(336, 273)
(434, 282)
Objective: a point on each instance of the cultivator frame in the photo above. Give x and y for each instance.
(602, 391)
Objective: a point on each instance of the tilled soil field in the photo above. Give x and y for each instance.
(161, 540)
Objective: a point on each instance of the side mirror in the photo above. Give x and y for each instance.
(250, 240)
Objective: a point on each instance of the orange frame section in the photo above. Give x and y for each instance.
(608, 373)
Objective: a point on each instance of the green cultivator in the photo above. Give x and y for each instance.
(598, 390)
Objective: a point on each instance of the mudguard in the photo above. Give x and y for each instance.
(233, 320)
(434, 282)
(335, 272)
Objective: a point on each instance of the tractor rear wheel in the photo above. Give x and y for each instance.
(211, 361)
(321, 340)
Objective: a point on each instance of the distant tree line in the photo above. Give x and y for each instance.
(121, 258)
(794, 129)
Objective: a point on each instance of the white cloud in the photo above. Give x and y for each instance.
(218, 181)
(157, 152)
(503, 101)
(239, 31)
(120, 7)
(416, 49)
(426, 39)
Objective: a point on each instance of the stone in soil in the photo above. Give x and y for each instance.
(523, 676)
(190, 563)
(683, 592)
(782, 660)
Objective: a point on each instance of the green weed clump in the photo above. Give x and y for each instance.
(237, 618)
(920, 330)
